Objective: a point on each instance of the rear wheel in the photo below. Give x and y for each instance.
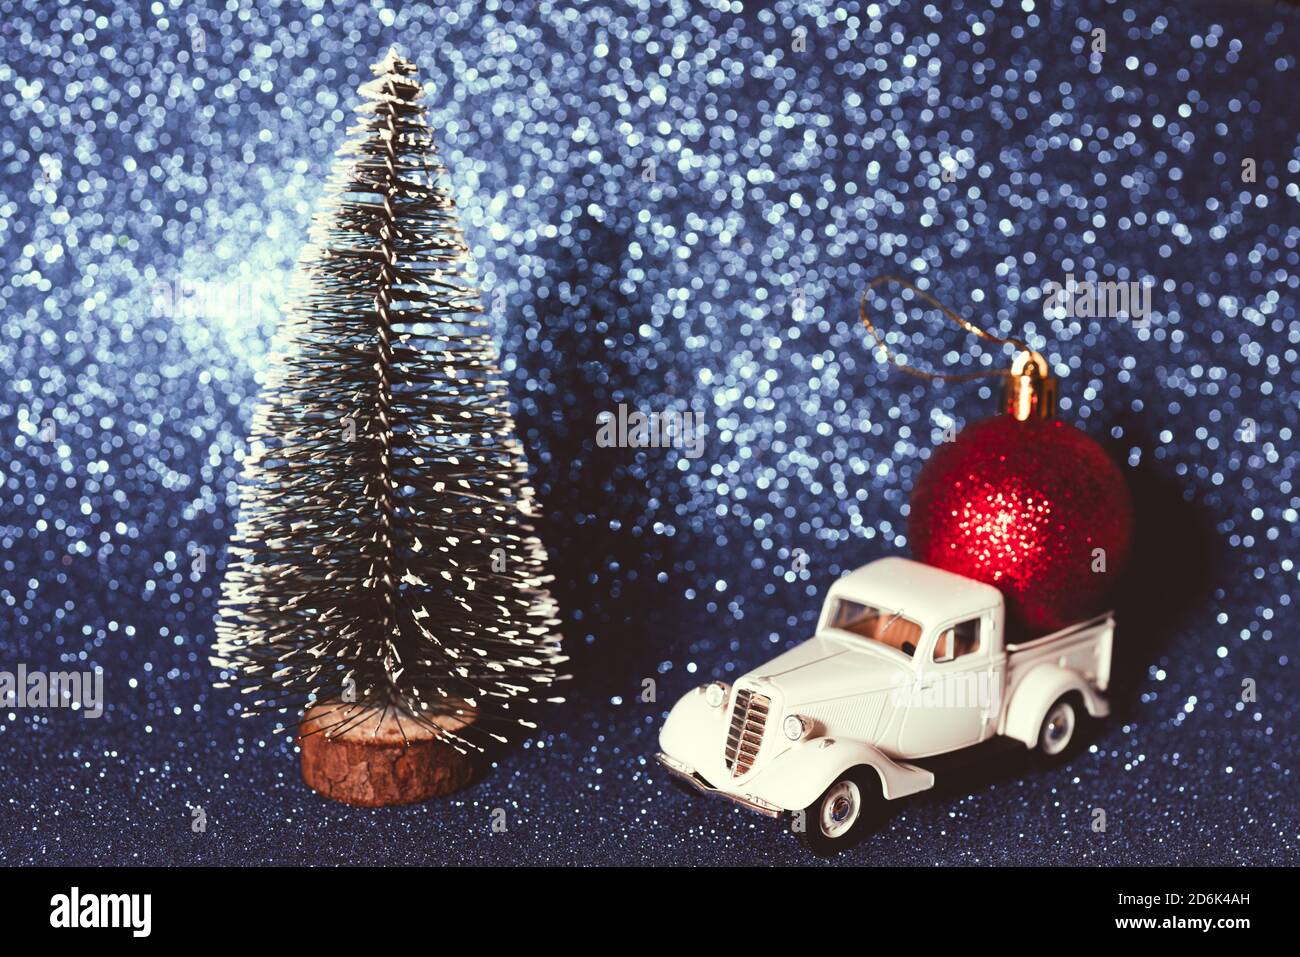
(842, 815)
(1062, 729)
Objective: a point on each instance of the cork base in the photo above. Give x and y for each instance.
(371, 758)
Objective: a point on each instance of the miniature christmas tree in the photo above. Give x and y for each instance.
(383, 568)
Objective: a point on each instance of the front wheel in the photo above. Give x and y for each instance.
(841, 815)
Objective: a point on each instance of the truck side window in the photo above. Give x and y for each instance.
(961, 639)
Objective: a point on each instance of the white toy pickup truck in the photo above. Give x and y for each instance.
(908, 662)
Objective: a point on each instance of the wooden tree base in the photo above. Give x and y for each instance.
(372, 758)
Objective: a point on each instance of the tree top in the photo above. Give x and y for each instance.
(392, 63)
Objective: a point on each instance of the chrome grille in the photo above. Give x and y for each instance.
(745, 736)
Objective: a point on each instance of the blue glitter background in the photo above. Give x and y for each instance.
(670, 207)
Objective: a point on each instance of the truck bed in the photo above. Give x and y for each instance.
(1085, 647)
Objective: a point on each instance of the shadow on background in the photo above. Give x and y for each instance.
(1175, 560)
(597, 506)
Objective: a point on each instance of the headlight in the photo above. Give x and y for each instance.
(715, 694)
(794, 726)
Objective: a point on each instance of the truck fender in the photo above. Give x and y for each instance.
(692, 727)
(798, 777)
(1038, 691)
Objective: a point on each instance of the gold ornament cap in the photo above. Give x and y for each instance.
(1031, 388)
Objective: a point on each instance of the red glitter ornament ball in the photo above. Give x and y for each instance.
(1024, 505)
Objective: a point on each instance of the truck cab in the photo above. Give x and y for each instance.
(907, 662)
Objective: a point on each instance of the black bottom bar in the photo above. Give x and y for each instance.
(291, 905)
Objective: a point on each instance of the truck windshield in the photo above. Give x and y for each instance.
(890, 628)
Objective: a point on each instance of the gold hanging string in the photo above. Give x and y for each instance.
(968, 326)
